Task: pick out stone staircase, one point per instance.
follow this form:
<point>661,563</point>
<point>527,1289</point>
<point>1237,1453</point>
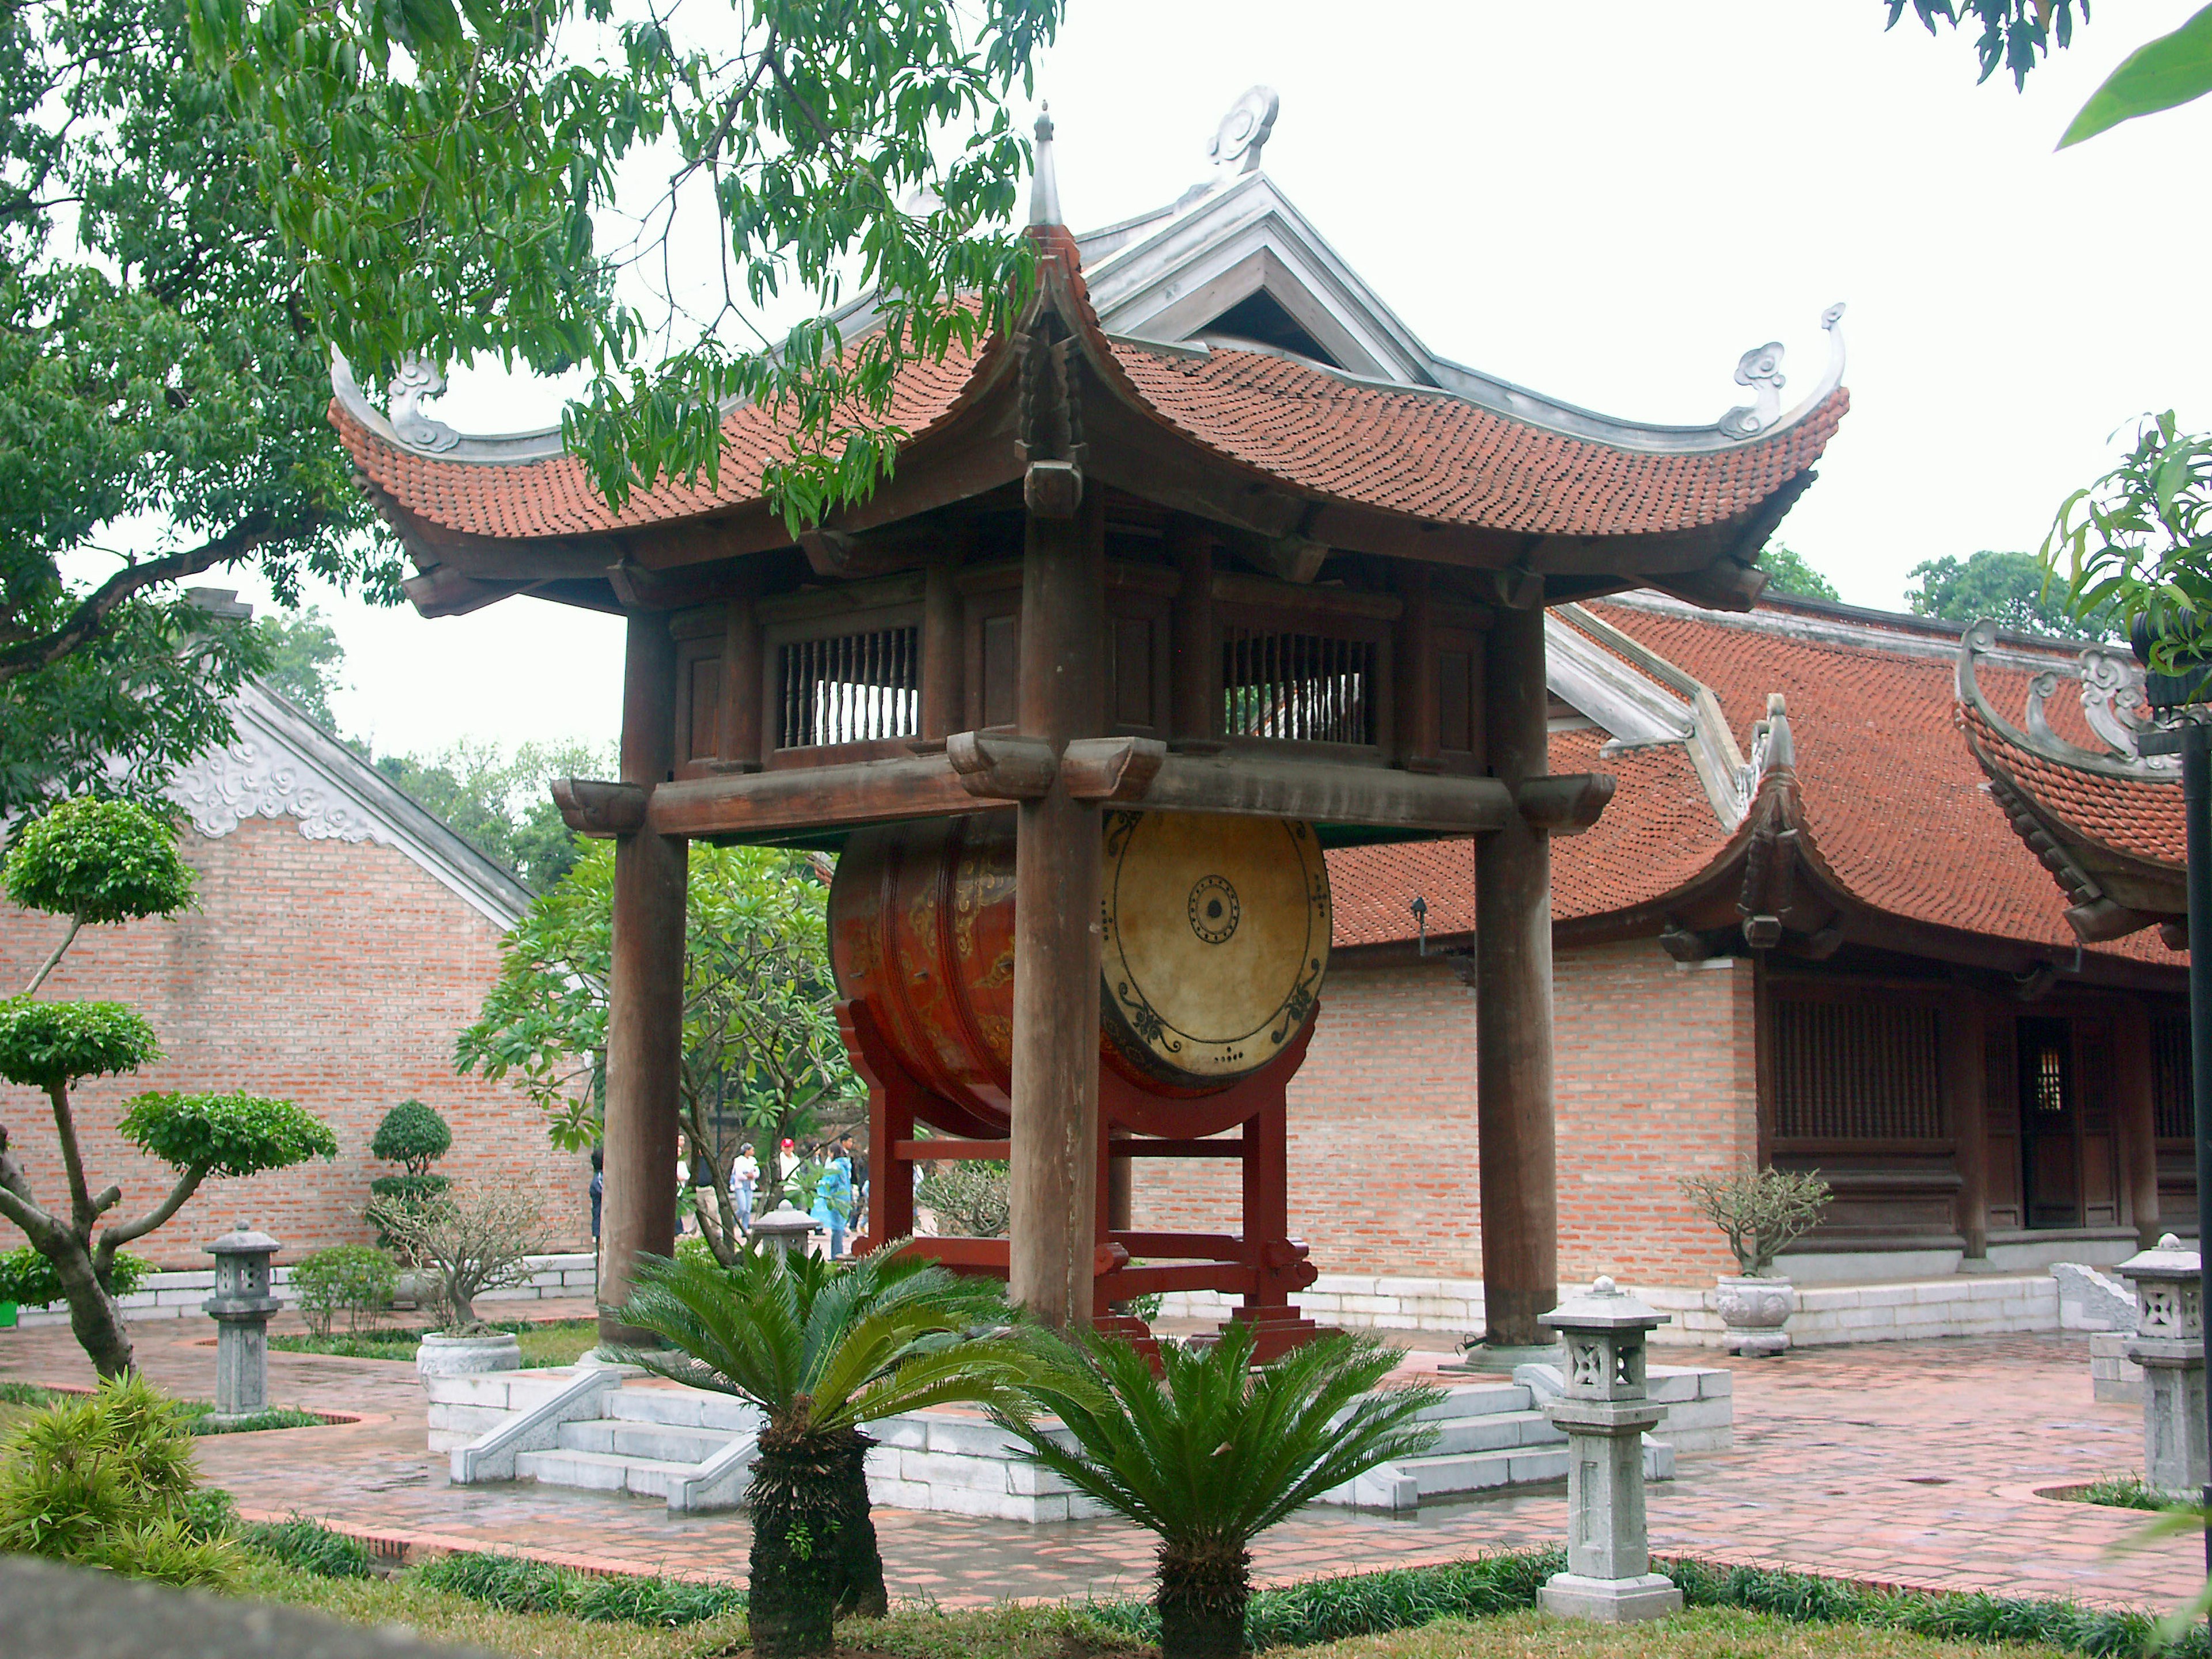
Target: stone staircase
<point>604,1429</point>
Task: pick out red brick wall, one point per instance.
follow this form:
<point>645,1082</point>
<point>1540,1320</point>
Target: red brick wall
<point>334,974</point>
<point>1654,1077</point>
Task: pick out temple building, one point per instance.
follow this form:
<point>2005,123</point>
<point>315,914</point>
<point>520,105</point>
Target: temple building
<point>1206,556</point>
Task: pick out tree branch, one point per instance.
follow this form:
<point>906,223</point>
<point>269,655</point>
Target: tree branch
<point>48,966</point>
<point>17,1205</point>
<point>89,619</point>
<point>124,1232</point>
<point>81,1211</point>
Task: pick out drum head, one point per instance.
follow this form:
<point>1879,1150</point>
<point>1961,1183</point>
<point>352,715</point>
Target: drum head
<point>1217,939</point>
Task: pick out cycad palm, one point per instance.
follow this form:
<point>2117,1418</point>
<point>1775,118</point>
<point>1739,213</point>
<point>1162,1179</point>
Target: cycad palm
<point>1212,1453</point>
<point>823,1350</point>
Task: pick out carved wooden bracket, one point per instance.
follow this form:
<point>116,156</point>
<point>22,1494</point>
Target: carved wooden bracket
<point>992,766</point>
<point>598,809</point>
<point>1112,769</point>
<point>1565,804</point>
<point>1053,490</point>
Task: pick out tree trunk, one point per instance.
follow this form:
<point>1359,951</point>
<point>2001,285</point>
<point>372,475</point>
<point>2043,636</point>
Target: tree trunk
<point>93,1318</point>
<point>798,1563</point>
<point>1204,1590</point>
<point>862,1592</point>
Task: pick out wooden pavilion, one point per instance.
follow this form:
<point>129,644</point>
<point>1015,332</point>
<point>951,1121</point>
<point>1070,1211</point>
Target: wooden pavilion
<point>1208,531</point>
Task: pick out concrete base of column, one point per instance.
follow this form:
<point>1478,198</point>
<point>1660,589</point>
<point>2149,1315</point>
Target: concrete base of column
<point>1503,1357</point>
<point>1610,1600</point>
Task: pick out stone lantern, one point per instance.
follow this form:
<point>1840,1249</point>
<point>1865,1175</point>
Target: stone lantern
<point>241,1305</point>
<point>2169,1345</point>
<point>783,1228</point>
<point>1605,1407</point>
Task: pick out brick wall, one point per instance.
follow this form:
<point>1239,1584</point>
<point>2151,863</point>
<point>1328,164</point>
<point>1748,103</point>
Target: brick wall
<point>334,974</point>
<point>1654,1077</point>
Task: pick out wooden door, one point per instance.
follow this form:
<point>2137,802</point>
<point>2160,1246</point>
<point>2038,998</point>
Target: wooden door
<point>2049,1124</point>
<point>2095,1073</point>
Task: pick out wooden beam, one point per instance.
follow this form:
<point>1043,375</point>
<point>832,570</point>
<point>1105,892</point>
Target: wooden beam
<point>944,649</point>
<point>1250,784</point>
<point>811,797</point>
<point>1000,766</point>
<point>1111,769</point>
<point>928,1151</point>
<point>1565,805</point>
<point>592,807</point>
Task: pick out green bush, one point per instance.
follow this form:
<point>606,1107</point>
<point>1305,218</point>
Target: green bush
<point>108,1481</point>
<point>350,1279</point>
<point>310,1546</point>
<point>412,1136</point>
<point>513,1584</point>
<point>50,1045</point>
<point>231,1135</point>
<point>100,861</point>
<point>28,1277</point>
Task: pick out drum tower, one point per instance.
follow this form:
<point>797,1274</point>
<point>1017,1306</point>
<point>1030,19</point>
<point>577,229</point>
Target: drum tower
<point>1202,568</point>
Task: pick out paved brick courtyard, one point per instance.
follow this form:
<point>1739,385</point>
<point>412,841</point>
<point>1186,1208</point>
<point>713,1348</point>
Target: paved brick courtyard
<point>1905,1463</point>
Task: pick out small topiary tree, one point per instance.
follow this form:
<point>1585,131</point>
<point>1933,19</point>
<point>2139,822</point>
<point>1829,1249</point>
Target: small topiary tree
<point>97,862</point>
<point>474,1240</point>
<point>414,1137</point>
<point>1760,1211</point>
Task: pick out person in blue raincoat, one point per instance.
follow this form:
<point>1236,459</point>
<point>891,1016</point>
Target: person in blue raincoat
<point>832,1201</point>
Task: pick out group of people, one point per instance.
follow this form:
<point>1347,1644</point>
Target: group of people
<point>836,1174</point>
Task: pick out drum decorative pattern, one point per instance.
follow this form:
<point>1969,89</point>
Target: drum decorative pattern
<point>1215,937</point>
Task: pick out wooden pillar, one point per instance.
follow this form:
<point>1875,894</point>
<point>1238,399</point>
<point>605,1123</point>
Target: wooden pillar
<point>645,1011</point>
<point>741,683</point>
<point>1197,698</point>
<point>1053,1187</point>
<point>1418,746</point>
<point>1513,1002</point>
<point>2138,1117</point>
<point>943,650</point>
<point>1966,1102</point>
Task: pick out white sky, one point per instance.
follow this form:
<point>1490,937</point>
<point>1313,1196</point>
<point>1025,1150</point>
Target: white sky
<point>1607,200</point>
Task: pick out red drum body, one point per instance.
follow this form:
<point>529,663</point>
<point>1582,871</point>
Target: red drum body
<point>1215,942</point>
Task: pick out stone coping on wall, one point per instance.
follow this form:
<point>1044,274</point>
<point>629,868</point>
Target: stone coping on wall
<point>1983,1304</point>
<point>179,1295</point>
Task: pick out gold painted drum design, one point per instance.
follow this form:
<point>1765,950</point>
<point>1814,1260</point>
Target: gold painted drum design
<point>1215,942</point>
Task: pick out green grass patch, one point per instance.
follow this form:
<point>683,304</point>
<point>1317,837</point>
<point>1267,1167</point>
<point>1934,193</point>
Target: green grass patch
<point>512,1585</point>
<point>554,1342</point>
<point>2124,1492</point>
<point>309,1546</point>
<point>19,1399</point>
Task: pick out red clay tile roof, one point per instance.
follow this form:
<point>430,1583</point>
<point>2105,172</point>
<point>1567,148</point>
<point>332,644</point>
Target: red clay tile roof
<point>1893,802</point>
<point>2132,815</point>
<point>1431,456</point>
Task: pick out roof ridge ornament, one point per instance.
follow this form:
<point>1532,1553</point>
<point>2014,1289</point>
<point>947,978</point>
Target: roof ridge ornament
<point>1044,183</point>
<point>417,379</point>
<point>1245,131</point>
<point>2111,692</point>
<point>1760,368</point>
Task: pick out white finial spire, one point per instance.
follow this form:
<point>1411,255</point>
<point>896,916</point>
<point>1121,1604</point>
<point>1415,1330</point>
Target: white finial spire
<point>1044,187</point>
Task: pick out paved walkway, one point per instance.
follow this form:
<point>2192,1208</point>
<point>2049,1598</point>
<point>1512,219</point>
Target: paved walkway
<point>1900,1463</point>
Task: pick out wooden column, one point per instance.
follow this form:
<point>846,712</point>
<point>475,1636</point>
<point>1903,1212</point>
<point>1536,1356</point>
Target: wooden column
<point>2138,1117</point>
<point>1418,740</point>
<point>1197,699</point>
<point>1966,1102</point>
<point>645,1012</point>
<point>741,683</point>
<point>943,650</point>
<point>1513,1002</point>
<point>1053,1187</point>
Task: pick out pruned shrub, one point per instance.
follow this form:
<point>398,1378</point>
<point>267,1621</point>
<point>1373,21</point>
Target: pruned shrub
<point>1760,1211</point>
<point>414,1137</point>
<point>28,1277</point>
<point>108,1481</point>
<point>472,1240</point>
<point>357,1280</point>
<point>969,1196</point>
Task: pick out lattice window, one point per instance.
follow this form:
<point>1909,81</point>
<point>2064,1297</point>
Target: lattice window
<point>1851,1072</point>
<point>855,688</point>
<point>2172,1079</point>
<point>1299,688</point>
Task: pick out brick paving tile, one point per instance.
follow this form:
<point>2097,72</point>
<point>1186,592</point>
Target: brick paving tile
<point>1903,1464</point>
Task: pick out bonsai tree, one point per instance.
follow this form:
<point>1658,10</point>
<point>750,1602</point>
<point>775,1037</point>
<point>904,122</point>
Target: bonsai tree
<point>472,1240</point>
<point>1761,1211</point>
<point>414,1137</point>
<point>1211,1453</point>
<point>97,862</point>
<point>823,1349</point>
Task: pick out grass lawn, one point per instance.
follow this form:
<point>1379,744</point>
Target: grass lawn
<point>20,1400</point>
<point>1050,1632</point>
<point>556,1342</point>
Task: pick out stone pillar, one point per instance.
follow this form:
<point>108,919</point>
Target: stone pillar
<point>1053,1184</point>
<point>2169,1345</point>
<point>241,1305</point>
<point>1513,1003</point>
<point>1605,1407</point>
<point>645,1012</point>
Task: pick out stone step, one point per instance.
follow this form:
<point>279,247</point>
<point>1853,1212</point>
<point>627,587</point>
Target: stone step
<point>641,1477</point>
<point>1480,1399</point>
<point>651,1441</point>
<point>1495,1431</point>
<point>684,1408</point>
<point>1448,1475</point>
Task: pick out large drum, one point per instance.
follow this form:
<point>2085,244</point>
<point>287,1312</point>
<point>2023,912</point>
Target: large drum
<point>1216,939</point>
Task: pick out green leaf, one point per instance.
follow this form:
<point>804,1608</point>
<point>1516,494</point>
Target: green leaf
<point>2162,74</point>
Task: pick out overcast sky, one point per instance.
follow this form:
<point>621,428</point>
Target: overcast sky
<point>1607,200</point>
